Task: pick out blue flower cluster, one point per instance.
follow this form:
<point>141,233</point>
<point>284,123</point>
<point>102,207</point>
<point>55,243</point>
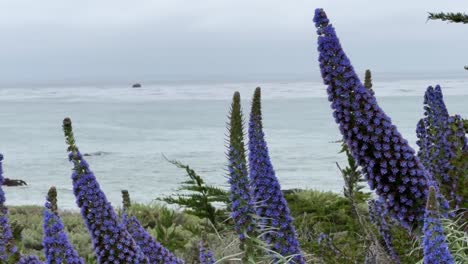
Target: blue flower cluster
<point>434,245</point>
<point>205,255</point>
<point>111,240</point>
<point>431,135</point>
<point>57,248</point>
<point>389,163</point>
<point>378,215</point>
<point>7,247</point>
<point>29,260</point>
<point>271,206</point>
<point>156,253</point>
<point>242,208</point>
<point>441,139</point>
<point>424,144</point>
<point>112,243</point>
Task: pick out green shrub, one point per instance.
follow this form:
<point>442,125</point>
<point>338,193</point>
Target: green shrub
<point>30,220</point>
<point>198,198</point>
<point>319,213</point>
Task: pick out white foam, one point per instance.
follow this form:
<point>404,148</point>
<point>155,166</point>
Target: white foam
<point>215,91</point>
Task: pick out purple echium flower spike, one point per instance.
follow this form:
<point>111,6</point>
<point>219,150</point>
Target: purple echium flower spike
<point>29,260</point>
<point>242,208</point>
<point>156,253</point>
<point>112,243</point>
<point>424,143</point>
<point>430,131</point>
<point>388,162</point>
<point>7,247</point>
<point>377,215</point>
<point>441,141</point>
<point>272,208</point>
<point>205,255</point>
<point>434,245</point>
<point>57,248</point>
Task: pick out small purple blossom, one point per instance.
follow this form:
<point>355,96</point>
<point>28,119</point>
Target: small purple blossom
<point>434,243</point>
<point>205,255</point>
<point>325,241</point>
<point>156,253</point>
<point>57,248</point>
<point>29,260</point>
<point>369,133</point>
<point>271,206</point>
<point>7,247</point>
<point>321,238</point>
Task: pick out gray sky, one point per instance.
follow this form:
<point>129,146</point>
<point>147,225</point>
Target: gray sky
<point>115,40</point>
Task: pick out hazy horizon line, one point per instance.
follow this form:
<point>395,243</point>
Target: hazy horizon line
<point>227,78</point>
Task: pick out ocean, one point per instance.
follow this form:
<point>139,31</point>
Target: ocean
<point>134,128</point>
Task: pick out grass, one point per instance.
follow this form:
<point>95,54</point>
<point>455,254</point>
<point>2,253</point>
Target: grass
<point>30,220</point>
<point>316,214</point>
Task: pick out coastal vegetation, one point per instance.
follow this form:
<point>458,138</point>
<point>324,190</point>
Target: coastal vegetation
<point>398,205</point>
<point>451,17</point>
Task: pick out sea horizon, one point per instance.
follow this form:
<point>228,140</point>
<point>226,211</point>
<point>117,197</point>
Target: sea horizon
<point>310,76</point>
<point>134,127</point>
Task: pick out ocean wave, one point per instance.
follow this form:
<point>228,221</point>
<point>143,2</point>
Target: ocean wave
<point>214,91</point>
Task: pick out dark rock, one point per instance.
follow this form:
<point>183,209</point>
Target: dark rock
<point>136,85</point>
<point>97,153</point>
<point>13,182</point>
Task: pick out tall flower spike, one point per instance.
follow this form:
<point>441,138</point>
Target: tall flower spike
<point>112,243</point>
<point>126,203</point>
<point>205,255</point>
<point>156,253</point>
<point>242,208</point>
<point>430,130</point>
<point>8,250</point>
<point>442,145</point>
<point>271,207</point>
<point>378,217</point>
<point>368,81</point>
<point>388,161</point>
<point>434,244</point>
<point>57,248</point>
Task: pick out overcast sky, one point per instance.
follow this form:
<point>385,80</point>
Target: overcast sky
<point>116,40</point>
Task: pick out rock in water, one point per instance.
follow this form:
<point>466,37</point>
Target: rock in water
<point>97,153</point>
<point>136,85</point>
<point>13,182</point>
